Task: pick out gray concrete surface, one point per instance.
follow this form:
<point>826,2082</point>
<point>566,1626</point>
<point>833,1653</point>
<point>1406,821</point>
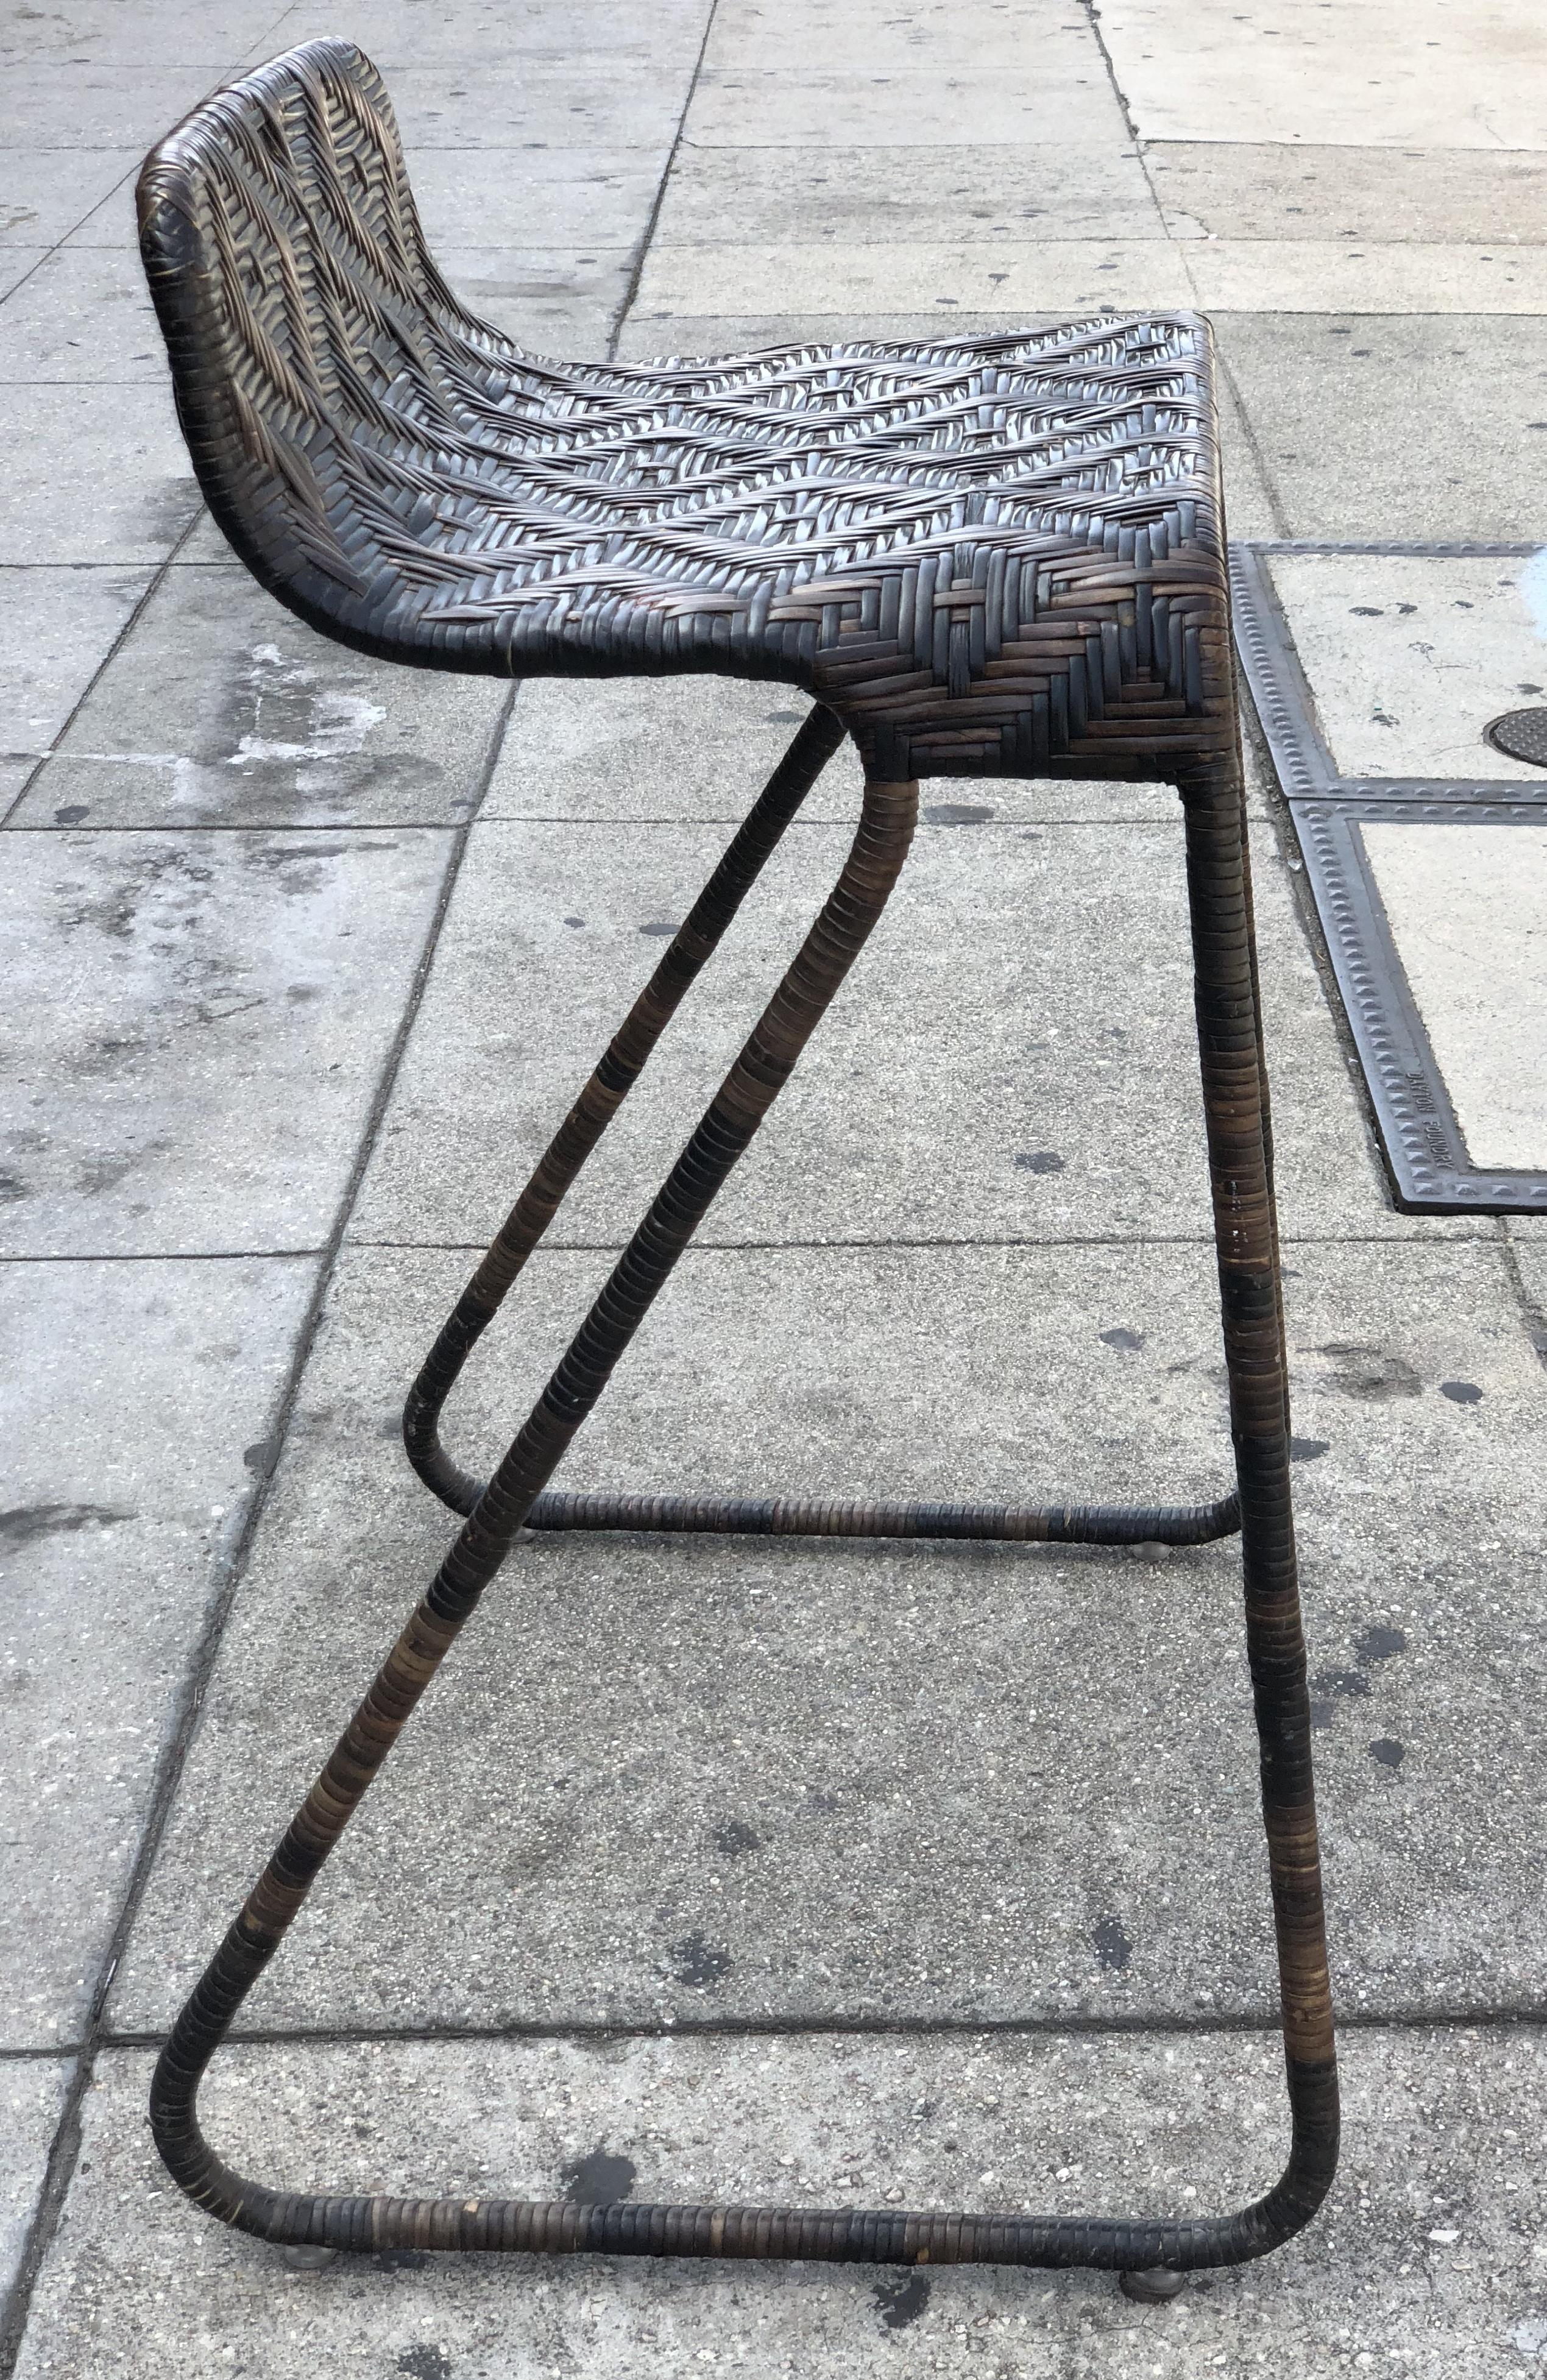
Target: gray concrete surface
<point>1429,2264</point>
<point>298,998</point>
<point>1467,907</point>
<point>1411,655</point>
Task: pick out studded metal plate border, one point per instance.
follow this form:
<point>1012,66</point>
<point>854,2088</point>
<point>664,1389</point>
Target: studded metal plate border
<point>1431,1168</point>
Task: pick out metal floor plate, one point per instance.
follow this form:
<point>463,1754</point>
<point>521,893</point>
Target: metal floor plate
<point>1432,1168</point>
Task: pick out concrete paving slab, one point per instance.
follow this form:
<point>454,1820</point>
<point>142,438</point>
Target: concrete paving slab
<point>207,1019</point>
<point>32,2095</point>
<point>1467,907</point>
<point>598,101</point>
<point>1043,275</point>
<point>1423,2262</point>
<point>1410,656</point>
<point>1066,1037</point>
<point>676,749</point>
<point>1250,191</point>
<point>667,33</point>
<point>205,546</point>
<point>16,264</point>
<point>137,1429</point>
<point>221,708</point>
<point>1395,430</point>
<point>849,195</point>
<point>93,475</point>
<point>14,776</point>
<point>1052,276</point>
<point>1526,1233</point>
<point>44,193</point>
<point>55,627</point>
<point>978,37</point>
<point>642,1709</point>
<point>806,106</point>
<point>96,106</point>
<point>1393,277</point>
<point>1295,72</point>
<point>1252,502</point>
<point>475,198</point>
<point>85,314</point>
<point>552,301</point>
<point>148,33</point>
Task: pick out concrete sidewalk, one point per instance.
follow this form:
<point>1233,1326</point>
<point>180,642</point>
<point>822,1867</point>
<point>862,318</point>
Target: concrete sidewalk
<point>745,1869</point>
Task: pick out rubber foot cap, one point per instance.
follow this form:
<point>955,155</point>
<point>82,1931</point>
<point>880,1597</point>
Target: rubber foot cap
<point>1157,2286</point>
<point>308,2260</point>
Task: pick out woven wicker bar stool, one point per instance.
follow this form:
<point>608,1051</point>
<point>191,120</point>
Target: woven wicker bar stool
<point>988,557</point>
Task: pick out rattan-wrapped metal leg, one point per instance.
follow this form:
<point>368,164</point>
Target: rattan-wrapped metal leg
<point>775,1515</point>
<point>1233,1079</point>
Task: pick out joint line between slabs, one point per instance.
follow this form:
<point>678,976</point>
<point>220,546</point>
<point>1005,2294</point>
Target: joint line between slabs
<point>66,2145</point>
<point>1155,2024</point>
<point>1487,1234</point>
<point>626,304</point>
<point>137,613</point>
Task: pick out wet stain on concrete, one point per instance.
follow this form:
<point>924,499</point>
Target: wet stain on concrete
<point>1377,1642</point>
<point>1127,1340</point>
<point>660,926</point>
<point>1388,1751</point>
<point>1039,1160</point>
<point>736,1839</point>
<point>1373,1375</point>
<point>1340,1681</point>
<point>1307,1450</point>
<point>700,1962</point>
<point>901,2298</point>
<point>1114,1949</point>
<point>1461,1392</point>
<point>599,2179</point>
<point>424,2363</point>
<point>957,814</point>
<point>25,1523</point>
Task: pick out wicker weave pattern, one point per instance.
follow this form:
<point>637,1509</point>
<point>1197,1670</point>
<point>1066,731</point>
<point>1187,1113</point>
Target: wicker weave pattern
<point>984,555</point>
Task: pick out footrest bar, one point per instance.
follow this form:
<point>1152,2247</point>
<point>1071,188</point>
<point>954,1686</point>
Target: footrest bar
<point>795,1517</point>
<point>876,2236</point>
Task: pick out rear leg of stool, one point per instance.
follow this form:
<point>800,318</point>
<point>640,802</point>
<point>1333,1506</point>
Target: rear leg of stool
<point>1165,1525</point>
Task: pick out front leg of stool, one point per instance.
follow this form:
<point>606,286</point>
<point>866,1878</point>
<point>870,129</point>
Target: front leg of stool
<point>1230,1049</point>
<point>620,1068</point>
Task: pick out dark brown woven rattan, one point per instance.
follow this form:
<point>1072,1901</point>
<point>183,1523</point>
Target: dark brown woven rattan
<point>991,556</point>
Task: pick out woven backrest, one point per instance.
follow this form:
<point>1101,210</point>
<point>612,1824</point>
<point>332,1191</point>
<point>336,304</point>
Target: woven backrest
<point>293,285</point>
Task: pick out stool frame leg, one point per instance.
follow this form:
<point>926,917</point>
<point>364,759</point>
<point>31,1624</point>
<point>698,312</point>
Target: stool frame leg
<point>1234,1103</point>
<point>613,1078</point>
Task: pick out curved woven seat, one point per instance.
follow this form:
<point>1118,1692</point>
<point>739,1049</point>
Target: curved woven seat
<point>997,554</point>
